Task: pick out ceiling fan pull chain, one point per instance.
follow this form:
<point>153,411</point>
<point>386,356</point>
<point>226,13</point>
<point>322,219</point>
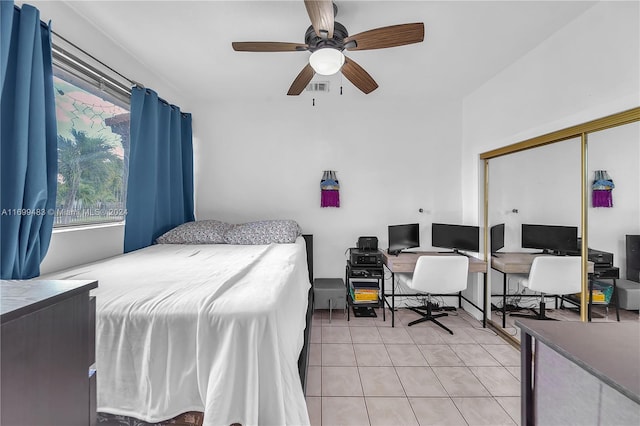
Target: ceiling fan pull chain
<point>313,102</point>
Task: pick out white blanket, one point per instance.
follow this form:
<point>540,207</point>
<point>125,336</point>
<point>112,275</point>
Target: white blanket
<point>212,328</point>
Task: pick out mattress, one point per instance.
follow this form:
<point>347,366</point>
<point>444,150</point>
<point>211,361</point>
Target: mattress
<point>211,328</point>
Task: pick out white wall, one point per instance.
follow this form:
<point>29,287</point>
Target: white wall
<point>588,69</point>
<point>264,159</point>
<point>78,245</point>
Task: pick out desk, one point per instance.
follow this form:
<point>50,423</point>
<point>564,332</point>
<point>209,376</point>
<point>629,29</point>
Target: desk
<point>515,263</point>
<point>406,262</point>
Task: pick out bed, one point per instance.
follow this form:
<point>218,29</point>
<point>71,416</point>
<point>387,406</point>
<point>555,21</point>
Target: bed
<point>211,328</point>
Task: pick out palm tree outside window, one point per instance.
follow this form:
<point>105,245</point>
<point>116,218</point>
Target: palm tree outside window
<point>93,149</point>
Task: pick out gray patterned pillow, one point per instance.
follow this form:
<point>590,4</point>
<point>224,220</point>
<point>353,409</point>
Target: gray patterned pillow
<point>197,232</point>
<point>263,232</point>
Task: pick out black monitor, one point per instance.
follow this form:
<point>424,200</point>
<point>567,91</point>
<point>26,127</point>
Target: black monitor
<point>456,237</point>
<point>550,238</point>
<point>403,237</point>
<point>497,237</point>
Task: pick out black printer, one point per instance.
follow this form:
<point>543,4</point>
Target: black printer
<point>603,264</point>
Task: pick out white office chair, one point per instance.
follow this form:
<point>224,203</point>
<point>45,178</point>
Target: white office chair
<point>555,275</point>
<point>439,275</point>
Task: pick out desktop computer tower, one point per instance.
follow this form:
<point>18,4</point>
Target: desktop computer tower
<point>633,258</point>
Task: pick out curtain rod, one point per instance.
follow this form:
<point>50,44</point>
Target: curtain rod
<point>130,81</point>
<point>94,70</point>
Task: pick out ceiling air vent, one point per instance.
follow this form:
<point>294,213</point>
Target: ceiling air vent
<point>318,86</point>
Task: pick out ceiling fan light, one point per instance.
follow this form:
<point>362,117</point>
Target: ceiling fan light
<point>326,61</point>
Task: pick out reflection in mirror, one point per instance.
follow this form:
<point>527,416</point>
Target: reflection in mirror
<point>537,186</point>
<point>616,150</point>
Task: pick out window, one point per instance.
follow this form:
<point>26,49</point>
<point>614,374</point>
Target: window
<point>93,148</point>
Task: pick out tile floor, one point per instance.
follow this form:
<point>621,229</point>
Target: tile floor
<point>599,314</point>
<point>363,372</point>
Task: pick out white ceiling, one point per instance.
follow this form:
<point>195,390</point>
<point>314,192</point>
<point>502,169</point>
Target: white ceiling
<point>188,43</point>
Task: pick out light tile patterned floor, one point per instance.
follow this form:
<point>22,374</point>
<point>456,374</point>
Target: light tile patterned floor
<point>364,372</point>
<point>599,314</point>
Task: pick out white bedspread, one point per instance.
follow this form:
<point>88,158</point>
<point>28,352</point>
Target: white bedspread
<point>213,328</point>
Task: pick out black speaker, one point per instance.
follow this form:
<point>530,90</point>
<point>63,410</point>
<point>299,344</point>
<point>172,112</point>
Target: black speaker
<point>633,257</point>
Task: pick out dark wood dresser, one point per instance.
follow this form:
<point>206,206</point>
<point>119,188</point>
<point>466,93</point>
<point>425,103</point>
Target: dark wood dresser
<point>583,373</point>
<point>47,348</point>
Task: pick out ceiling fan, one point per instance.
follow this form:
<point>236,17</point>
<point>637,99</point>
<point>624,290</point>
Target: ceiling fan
<point>326,39</point>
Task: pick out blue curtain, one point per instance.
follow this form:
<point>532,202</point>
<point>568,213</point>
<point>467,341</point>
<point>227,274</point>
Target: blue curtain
<point>28,151</point>
<point>160,187</point>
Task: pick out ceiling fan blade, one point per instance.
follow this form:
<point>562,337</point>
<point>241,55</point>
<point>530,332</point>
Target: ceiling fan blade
<point>267,46</point>
<point>301,81</point>
<point>322,16</point>
<point>358,76</point>
<point>380,38</point>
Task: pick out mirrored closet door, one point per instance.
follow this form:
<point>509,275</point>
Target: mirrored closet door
<point>614,218</point>
<point>548,180</point>
<point>533,187</point>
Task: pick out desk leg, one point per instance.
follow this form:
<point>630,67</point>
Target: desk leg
<point>504,300</point>
<point>615,294</point>
<point>484,302</point>
<point>384,308</point>
<point>346,282</point>
<point>526,381</point>
<point>393,299</point>
<point>590,297</point>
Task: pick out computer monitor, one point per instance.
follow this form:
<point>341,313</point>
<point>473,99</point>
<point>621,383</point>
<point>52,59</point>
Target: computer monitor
<point>402,237</point>
<point>497,237</point>
<point>456,237</point>
<point>550,238</point>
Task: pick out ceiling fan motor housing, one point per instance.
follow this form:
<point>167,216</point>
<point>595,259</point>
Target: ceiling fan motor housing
<point>316,42</point>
